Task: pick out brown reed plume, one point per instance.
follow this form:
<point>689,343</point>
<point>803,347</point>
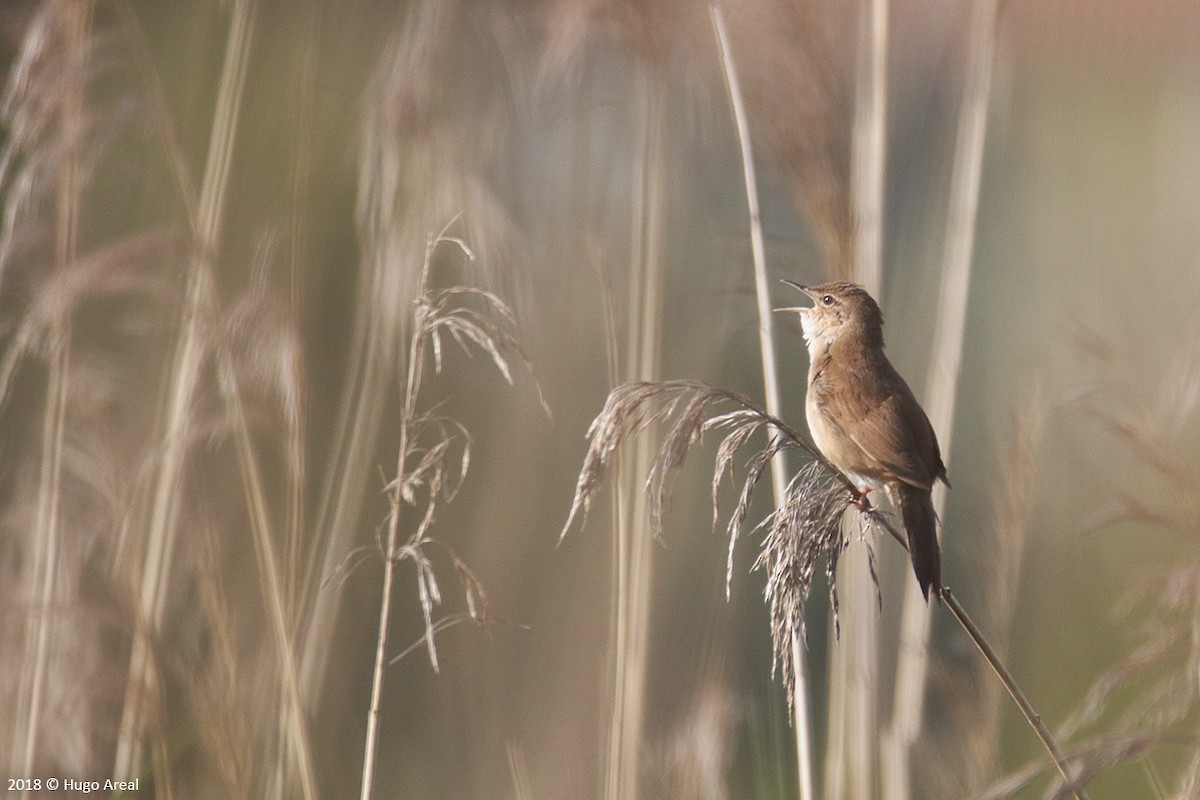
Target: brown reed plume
<point>802,534</point>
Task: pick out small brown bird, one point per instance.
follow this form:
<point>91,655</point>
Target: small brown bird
<point>865,419</point>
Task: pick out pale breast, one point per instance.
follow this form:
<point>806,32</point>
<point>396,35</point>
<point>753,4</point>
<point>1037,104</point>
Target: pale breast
<point>836,446</point>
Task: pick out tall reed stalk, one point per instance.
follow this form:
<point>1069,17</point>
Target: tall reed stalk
<point>945,361</point>
<point>47,533</point>
<point>851,758</point>
<point>162,530</point>
<point>774,403</point>
<point>635,546</point>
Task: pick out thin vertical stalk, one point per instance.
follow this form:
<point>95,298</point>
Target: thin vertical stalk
<point>870,146</point>
<point>768,353</point>
<point>297,245</point>
<point>913,660</point>
<point>416,363</point>
<point>377,347</point>
<point>635,545</point>
<point>47,534</point>
<point>358,422</point>
<point>851,760</point>
<point>295,730</point>
<point>186,363</point>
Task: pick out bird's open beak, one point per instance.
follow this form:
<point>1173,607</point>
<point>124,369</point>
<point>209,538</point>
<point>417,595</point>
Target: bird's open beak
<point>796,309</point>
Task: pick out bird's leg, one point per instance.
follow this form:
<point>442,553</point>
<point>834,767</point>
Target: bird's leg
<point>860,500</point>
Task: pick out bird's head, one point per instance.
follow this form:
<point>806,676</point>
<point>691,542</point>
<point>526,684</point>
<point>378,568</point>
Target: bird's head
<point>839,309</point>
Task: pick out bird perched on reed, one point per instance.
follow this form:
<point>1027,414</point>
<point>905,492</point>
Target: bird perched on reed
<point>865,419</point>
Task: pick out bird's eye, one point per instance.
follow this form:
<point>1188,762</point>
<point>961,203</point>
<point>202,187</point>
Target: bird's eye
<point>827,299</point>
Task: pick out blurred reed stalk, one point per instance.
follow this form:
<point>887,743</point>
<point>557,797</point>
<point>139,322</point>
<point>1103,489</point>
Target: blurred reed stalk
<point>293,726</point>
<point>162,525</point>
<point>298,245</point>
<point>774,404</point>
<point>47,534</point>
<point>192,350</point>
<point>908,700</point>
<point>1013,508</point>
<point>634,546</point>
<point>851,757</point>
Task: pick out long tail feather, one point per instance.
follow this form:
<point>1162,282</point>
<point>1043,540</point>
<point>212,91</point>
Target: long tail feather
<point>920,523</point>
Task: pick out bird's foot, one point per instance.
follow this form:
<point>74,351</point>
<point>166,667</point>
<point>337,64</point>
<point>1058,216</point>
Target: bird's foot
<point>860,500</point>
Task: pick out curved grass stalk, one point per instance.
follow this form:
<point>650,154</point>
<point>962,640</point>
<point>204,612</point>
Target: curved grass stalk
<point>989,653</point>
<point>391,556</point>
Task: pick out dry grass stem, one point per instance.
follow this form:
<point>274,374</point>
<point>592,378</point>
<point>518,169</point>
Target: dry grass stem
<point>431,464</point>
<point>165,502</point>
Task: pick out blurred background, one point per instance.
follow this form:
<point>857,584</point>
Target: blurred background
<point>215,227</point>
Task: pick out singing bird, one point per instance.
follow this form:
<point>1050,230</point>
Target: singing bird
<point>865,419</point>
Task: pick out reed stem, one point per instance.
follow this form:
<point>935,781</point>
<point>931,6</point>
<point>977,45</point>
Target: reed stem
<point>915,619</point>
<point>767,351</point>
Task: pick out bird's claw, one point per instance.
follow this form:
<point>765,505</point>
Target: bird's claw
<point>860,500</point>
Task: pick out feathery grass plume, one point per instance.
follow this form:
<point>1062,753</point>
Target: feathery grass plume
<point>162,522</point>
<point>801,534</point>
<point>56,275</point>
<point>427,149</point>
<point>632,407</point>
<point>117,282</point>
<point>431,465</point>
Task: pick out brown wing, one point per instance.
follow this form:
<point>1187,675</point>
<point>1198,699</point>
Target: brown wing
<point>884,419</point>
<point>901,440</point>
